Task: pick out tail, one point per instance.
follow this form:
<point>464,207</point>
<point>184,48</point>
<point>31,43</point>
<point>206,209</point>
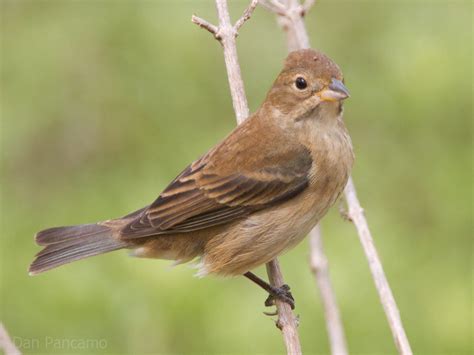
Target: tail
<point>67,244</point>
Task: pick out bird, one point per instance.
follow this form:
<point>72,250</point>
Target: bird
<point>250,198</point>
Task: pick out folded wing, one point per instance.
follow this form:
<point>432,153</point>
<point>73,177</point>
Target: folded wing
<point>205,194</point>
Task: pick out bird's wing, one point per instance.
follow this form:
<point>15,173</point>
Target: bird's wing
<point>226,185</point>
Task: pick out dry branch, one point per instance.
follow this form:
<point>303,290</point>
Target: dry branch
<point>286,322</point>
<point>246,15</point>
<point>226,34</point>
<point>307,5</point>
<point>290,16</point>
<point>356,215</point>
<point>320,268</point>
<point>6,344</point>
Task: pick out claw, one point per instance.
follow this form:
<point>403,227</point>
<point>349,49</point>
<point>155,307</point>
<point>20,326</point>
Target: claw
<point>281,293</point>
<point>271,314</point>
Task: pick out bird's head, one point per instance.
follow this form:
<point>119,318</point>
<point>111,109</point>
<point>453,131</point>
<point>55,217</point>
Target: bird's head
<point>309,80</point>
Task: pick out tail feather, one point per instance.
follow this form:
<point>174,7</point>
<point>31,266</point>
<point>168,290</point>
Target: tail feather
<point>60,234</point>
<point>67,244</point>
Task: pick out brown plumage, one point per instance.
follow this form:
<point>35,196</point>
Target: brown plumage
<point>250,198</point>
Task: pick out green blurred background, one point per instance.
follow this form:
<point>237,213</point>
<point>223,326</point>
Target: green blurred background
<point>103,102</point>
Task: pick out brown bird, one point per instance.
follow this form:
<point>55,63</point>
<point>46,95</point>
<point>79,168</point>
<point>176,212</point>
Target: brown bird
<point>250,198</point>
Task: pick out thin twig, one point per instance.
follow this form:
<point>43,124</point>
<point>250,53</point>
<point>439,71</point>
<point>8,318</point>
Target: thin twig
<point>307,5</point>
<point>246,15</point>
<point>204,24</point>
<point>6,344</point>
<point>343,211</point>
<point>356,214</point>
<point>226,34</point>
<point>286,322</point>
<point>320,269</point>
<point>298,38</point>
<point>273,6</point>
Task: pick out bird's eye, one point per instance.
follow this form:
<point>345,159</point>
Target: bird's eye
<point>301,83</point>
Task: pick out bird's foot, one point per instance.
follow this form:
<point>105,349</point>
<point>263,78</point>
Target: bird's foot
<point>281,293</point>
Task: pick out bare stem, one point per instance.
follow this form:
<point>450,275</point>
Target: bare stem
<point>204,24</point>
<point>320,268</point>
<point>246,15</point>
<point>226,34</point>
<point>6,344</point>
<point>356,214</point>
<point>307,5</point>
<point>286,322</point>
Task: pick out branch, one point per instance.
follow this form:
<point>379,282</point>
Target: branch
<point>246,15</point>
<point>204,24</point>
<point>274,6</point>
<point>226,33</point>
<point>286,322</point>
<point>307,5</point>
<point>292,23</point>
<point>290,17</point>
<point>320,268</point>
<point>6,344</point>
<point>356,214</point>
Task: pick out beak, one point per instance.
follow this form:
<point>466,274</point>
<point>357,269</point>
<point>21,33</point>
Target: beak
<point>336,91</point>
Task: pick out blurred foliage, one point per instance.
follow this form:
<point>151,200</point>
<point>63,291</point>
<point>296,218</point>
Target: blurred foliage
<point>103,102</point>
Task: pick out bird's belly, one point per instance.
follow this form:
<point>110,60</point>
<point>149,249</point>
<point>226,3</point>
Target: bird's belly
<point>260,238</point>
<point>266,234</point>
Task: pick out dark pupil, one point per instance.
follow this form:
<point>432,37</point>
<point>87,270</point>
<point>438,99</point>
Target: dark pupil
<point>301,83</point>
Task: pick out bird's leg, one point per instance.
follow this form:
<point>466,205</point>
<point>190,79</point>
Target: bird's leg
<point>282,293</point>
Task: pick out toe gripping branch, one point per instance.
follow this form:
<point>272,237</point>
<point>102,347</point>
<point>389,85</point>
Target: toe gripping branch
<point>281,293</point>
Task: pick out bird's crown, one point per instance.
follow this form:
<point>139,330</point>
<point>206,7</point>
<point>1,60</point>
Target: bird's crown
<point>314,61</point>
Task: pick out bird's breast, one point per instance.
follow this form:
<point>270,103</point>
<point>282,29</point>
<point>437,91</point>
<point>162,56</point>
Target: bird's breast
<point>333,158</point>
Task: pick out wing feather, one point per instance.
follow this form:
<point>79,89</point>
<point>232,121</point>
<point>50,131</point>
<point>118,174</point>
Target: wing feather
<point>204,195</point>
